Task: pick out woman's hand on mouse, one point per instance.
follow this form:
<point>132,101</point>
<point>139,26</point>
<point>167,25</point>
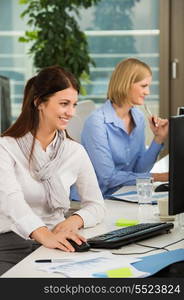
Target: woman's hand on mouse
<point>72,223</point>
<point>57,240</point>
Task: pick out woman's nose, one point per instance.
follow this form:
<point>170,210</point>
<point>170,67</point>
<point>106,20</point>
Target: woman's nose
<point>71,111</point>
<point>147,91</point>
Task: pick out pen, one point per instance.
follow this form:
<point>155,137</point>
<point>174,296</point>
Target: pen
<point>54,260</point>
<point>151,115</point>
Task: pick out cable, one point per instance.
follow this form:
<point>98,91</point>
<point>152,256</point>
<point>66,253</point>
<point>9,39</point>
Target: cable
<point>154,248</point>
<point>133,253</point>
<point>174,243</point>
<point>147,246</point>
<point>160,248</point>
<point>136,253</point>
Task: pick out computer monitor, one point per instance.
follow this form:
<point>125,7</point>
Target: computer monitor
<point>176,164</point>
<point>180,110</point>
<point>5,103</point>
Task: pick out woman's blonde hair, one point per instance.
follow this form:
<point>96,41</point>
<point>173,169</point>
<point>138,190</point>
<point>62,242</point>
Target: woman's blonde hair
<point>126,73</point>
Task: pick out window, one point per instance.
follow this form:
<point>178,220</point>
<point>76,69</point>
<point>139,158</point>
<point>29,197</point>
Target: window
<point>14,62</point>
<point>116,29</point>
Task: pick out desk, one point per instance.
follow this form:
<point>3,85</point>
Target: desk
<point>115,210</point>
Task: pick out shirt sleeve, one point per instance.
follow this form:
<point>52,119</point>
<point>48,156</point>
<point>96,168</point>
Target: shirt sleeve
<point>12,202</point>
<point>95,140</point>
<point>92,203</point>
<point>148,157</point>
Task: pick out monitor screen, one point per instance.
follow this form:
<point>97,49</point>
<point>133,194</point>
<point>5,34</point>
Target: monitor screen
<point>176,164</point>
<point>5,104</point>
<point>180,110</point>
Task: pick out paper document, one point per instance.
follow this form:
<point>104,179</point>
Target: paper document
<point>132,196</point>
<point>101,264</point>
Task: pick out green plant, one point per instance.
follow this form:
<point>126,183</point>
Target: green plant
<point>55,35</point>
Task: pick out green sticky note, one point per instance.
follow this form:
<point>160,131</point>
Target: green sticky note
<point>125,222</point>
<point>120,273</point>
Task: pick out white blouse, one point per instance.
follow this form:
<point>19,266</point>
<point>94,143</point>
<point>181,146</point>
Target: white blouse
<point>23,205</point>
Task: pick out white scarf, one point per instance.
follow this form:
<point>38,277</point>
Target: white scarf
<point>46,172</point>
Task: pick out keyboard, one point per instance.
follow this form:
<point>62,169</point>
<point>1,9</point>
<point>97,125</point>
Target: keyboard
<point>130,234</point>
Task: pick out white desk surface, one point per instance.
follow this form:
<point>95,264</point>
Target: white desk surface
<point>115,210</point>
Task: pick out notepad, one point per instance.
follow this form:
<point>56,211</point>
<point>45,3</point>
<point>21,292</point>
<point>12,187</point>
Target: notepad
<point>128,271</point>
<point>120,273</point>
<point>126,222</point>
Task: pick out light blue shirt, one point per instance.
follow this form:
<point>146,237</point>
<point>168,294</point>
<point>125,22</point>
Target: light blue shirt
<point>118,157</point>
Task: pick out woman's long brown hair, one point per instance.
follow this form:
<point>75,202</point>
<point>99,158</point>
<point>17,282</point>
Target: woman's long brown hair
<point>40,87</point>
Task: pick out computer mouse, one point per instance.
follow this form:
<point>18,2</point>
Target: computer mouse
<point>164,187</point>
<point>80,248</point>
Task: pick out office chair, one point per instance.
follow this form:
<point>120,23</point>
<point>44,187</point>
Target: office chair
<point>83,109</point>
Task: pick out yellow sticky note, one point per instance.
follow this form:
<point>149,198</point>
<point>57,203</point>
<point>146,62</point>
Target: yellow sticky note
<point>120,273</point>
<point>125,222</point>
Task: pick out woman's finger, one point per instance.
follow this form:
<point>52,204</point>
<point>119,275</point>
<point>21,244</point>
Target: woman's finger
<point>63,247</point>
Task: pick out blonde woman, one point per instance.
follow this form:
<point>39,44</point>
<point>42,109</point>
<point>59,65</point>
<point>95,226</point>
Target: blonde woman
<point>113,135</point>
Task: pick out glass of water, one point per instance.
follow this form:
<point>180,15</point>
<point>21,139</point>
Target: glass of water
<point>144,188</point>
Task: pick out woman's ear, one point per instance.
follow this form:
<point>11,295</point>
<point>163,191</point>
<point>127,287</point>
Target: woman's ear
<point>37,105</point>
<point>35,102</point>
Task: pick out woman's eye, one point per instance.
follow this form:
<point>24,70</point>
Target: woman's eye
<point>67,103</point>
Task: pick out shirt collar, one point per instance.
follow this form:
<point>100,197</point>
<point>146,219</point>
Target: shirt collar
<point>136,117</point>
<point>51,146</point>
<point>63,135</point>
<point>111,116</point>
<point>109,113</point>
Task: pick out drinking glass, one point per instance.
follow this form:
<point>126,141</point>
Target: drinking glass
<point>146,209</point>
